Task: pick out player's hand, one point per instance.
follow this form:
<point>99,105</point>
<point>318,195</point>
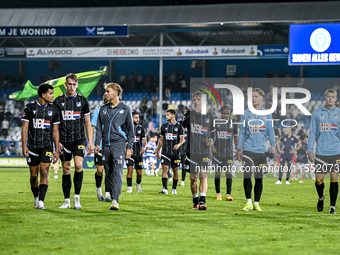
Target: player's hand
<point>97,149</point>
<point>213,149</point>
<point>176,147</point>
<point>25,151</point>
<point>291,151</point>
<point>128,153</point>
<point>281,151</point>
<point>209,142</point>
<point>158,155</point>
<point>89,148</point>
<point>60,148</point>
<point>143,150</point>
<point>55,157</point>
<point>238,155</point>
<point>311,156</point>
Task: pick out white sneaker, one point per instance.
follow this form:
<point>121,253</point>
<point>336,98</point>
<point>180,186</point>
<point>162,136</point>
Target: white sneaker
<point>170,179</point>
<point>129,190</point>
<point>55,176</point>
<point>152,173</point>
<point>139,188</point>
<point>278,182</point>
<point>287,182</point>
<point>41,205</point>
<point>174,191</point>
<point>182,183</point>
<point>114,205</point>
<point>36,202</point>
<point>164,191</point>
<point>77,202</point>
<point>66,205</point>
<point>156,173</point>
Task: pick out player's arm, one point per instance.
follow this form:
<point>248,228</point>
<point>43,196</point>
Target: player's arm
<point>56,142</point>
<point>89,133</point>
<point>24,133</point>
<point>235,132</point>
<point>299,146</point>
<point>144,141</point>
<point>130,135</point>
<point>160,144</point>
<point>312,137</point>
<point>271,135</point>
<point>181,138</point>
<point>242,132</point>
<point>99,133</point>
<point>278,146</point>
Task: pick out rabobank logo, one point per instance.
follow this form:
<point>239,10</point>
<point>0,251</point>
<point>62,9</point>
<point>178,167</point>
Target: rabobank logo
<point>197,51</point>
<point>320,40</point>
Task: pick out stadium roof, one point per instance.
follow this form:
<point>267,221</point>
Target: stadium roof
<point>218,24</point>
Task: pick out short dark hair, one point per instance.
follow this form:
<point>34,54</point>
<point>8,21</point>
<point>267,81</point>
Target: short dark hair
<point>172,111</point>
<point>134,113</point>
<point>225,107</point>
<point>43,88</point>
<point>302,137</point>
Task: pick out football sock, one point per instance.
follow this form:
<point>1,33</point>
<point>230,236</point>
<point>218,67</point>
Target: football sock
<point>202,197</point>
<point>229,183</point>
<point>42,191</point>
<point>129,182</point>
<point>319,189</point>
<point>98,180</point>
<point>333,192</point>
<point>195,198</point>
<point>106,184</point>
<point>138,180</point>
<point>78,181</point>
<point>67,184</point>
<point>35,191</point>
<point>174,184</point>
<point>258,189</point>
<point>247,187</point>
<point>184,173</point>
<point>218,185</point>
<point>165,183</point>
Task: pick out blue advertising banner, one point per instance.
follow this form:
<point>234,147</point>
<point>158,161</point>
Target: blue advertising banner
<point>272,50</point>
<point>64,31</point>
<point>314,44</point>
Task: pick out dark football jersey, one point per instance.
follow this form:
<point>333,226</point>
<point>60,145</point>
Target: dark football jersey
<point>301,153</point>
<point>288,143</point>
<point>199,128</point>
<point>41,119</point>
<point>138,143</point>
<point>171,134</point>
<point>225,134</point>
<point>72,111</point>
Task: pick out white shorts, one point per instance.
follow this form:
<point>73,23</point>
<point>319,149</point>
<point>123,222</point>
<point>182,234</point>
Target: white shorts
<point>151,159</point>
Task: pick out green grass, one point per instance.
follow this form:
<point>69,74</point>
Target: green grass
<point>153,223</point>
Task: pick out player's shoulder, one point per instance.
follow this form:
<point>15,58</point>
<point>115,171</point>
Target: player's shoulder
<point>80,96</point>
<point>60,97</point>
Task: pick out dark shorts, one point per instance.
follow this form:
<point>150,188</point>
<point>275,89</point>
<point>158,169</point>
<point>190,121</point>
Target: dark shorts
<point>38,156</point>
<point>222,165</point>
<point>171,161</point>
<point>136,161</point>
<point>326,164</point>
<point>197,162</point>
<point>76,148</point>
<point>98,159</point>
<point>253,163</point>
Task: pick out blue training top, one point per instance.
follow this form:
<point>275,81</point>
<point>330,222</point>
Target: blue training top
<point>94,123</point>
<point>253,137</point>
<point>324,130</point>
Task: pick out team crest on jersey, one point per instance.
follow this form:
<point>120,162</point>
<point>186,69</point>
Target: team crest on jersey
<point>207,120</point>
<point>176,129</point>
<point>34,112</point>
<point>62,104</point>
<point>138,131</point>
<point>78,104</point>
<point>122,111</point>
<point>49,113</point>
<point>28,160</point>
<point>103,158</point>
<point>336,116</point>
<point>292,139</point>
<point>104,112</point>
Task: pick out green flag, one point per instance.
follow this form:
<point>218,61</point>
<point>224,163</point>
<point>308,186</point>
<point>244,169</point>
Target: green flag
<point>86,83</point>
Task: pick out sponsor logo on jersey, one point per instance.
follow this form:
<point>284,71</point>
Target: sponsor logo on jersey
<point>78,104</point>
<point>137,138</point>
<point>70,115</point>
<point>206,159</point>
<point>49,113</point>
<point>257,129</point>
<point>230,161</point>
<point>82,147</point>
<point>198,129</point>
<point>170,136</point>
<point>41,123</point>
<point>223,135</point>
<point>328,127</point>
<point>140,163</point>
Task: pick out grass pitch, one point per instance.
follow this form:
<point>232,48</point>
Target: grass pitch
<point>153,223</point>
